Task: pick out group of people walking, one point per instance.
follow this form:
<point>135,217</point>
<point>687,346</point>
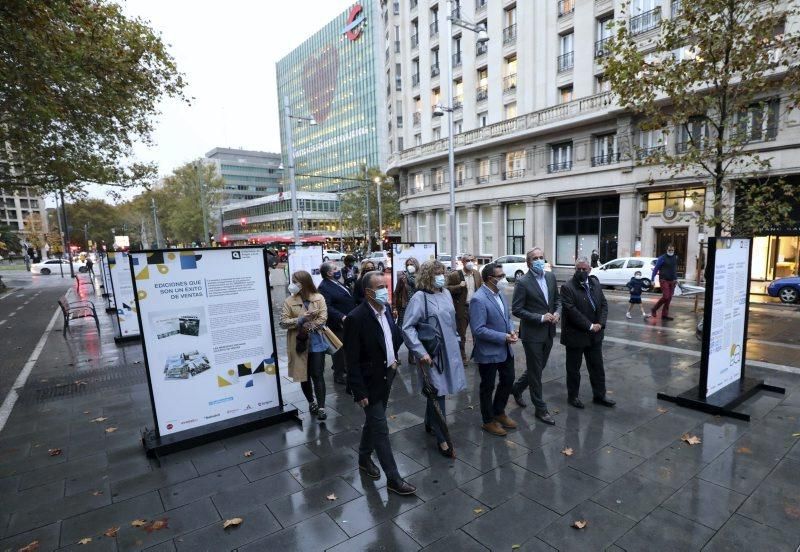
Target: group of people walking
<point>430,313</point>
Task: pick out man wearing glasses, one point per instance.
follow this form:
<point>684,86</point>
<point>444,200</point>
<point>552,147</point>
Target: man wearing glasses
<point>585,313</point>
<point>462,285</point>
<point>537,304</point>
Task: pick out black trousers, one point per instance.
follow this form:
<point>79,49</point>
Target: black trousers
<point>594,365</point>
<point>339,370</point>
<point>315,378</point>
<point>536,355</point>
<point>491,407</point>
<point>375,437</point>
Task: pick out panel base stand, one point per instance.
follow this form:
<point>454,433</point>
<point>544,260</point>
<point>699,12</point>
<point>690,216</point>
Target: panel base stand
<point>156,446</point>
<point>126,338</point>
<point>110,310</point>
<point>725,400</point>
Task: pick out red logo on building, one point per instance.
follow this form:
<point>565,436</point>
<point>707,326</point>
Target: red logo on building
<point>355,23</point>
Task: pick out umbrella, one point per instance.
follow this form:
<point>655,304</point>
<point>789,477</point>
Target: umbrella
<point>431,392</point>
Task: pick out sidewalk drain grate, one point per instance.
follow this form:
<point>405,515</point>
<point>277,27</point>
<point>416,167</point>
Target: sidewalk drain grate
<point>83,383</point>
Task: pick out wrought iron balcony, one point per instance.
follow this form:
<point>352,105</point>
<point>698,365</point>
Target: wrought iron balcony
<point>481,48</point>
<point>457,59</point>
<point>415,79</point>
<point>559,167</point>
<point>510,83</point>
<point>435,70</point>
<point>565,7</point>
<point>435,28</point>
<point>510,34</point>
<point>601,47</point>
<point>417,118</point>
<point>605,159</point>
<point>481,93</point>
<point>645,21</point>
<point>512,174</point>
<point>414,40</point>
<point>565,61</point>
<point>645,153</point>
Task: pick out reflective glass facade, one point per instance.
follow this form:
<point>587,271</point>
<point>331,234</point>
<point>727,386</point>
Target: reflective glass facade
<point>333,79</point>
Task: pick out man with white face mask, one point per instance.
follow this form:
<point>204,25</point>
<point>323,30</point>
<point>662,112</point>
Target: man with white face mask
<point>462,285</point>
<point>537,304</point>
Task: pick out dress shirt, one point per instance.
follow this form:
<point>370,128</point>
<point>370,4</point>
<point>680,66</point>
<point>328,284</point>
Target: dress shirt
<point>387,334</point>
<point>542,281</point>
<point>496,295</point>
<point>469,278</point>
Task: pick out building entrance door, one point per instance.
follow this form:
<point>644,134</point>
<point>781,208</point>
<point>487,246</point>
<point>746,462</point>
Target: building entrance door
<point>679,237</point>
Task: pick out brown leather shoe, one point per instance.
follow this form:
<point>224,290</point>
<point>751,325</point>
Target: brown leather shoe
<point>495,429</point>
<point>505,421</point>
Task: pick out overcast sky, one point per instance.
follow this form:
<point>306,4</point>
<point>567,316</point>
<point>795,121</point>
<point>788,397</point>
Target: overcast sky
<point>227,50</point>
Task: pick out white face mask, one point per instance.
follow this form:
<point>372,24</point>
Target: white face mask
<point>670,253</point>
<point>470,265</point>
<point>411,269</point>
<point>502,284</point>
<point>294,288</point>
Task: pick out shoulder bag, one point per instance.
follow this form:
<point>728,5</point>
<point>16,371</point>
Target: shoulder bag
<point>431,337</point>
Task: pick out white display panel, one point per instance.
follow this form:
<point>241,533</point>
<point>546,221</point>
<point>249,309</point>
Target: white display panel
<point>122,285</point>
<point>208,336</point>
<point>106,274</point>
<point>728,313</point>
<point>308,258</point>
<point>401,252</point>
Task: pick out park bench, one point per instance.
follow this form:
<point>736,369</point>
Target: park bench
<point>75,310</point>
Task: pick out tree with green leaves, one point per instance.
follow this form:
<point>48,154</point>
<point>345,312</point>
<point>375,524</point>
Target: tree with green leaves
<point>80,84</point>
<point>179,201</point>
<point>719,76</point>
<point>92,219</point>
<point>354,205</point>
<point>9,240</point>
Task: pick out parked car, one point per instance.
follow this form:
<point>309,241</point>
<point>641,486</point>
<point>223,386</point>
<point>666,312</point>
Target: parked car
<point>332,255</point>
<point>515,266</point>
<point>786,289</point>
<point>54,265</point>
<point>445,260</point>
<point>381,259</point>
<point>619,271</point>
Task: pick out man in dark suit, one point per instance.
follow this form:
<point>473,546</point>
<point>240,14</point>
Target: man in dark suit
<point>340,302</point>
<point>537,304</point>
<point>585,313</point>
<point>371,342</point>
<point>462,284</point>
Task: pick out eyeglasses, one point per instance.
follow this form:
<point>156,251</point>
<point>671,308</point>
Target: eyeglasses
<point>582,269</point>
<point>539,258</point>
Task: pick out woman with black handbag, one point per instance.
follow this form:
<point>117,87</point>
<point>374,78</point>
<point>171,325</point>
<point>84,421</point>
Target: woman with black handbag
<point>431,334</point>
<point>303,316</point>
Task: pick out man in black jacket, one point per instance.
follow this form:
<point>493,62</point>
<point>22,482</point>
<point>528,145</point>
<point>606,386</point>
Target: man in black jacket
<point>667,270</point>
<point>371,342</point>
<point>585,311</point>
<point>340,302</point>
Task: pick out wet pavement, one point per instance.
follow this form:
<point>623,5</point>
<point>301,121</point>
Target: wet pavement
<point>631,477</point>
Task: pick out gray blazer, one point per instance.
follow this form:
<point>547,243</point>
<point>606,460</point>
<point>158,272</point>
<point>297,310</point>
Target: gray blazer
<point>529,306</point>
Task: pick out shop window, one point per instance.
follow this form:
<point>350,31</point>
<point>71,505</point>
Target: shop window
<point>586,224</point>
<point>684,200</point>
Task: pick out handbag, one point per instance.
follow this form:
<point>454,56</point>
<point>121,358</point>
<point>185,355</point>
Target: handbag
<point>334,343</point>
<point>301,341</point>
<point>430,335</point>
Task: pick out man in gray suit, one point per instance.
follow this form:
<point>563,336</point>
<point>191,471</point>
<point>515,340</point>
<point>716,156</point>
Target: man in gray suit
<point>537,304</point>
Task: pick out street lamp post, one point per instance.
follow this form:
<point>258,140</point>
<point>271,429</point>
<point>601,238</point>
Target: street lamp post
<point>203,206</point>
<point>480,30</point>
<point>287,123</point>
<point>378,182</point>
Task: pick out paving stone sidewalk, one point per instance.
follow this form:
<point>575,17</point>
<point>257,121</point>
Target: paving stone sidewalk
<point>639,486</point>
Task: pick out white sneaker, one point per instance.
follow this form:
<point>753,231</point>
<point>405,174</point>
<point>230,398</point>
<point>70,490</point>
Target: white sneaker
<point>628,315</point>
<point>646,314</point>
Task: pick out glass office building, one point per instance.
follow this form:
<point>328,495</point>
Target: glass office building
<point>334,77</point>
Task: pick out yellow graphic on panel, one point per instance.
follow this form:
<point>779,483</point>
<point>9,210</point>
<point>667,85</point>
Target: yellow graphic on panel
<point>163,269</point>
<point>222,382</point>
<point>144,274</point>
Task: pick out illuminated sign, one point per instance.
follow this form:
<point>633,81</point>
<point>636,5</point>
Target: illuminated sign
<point>355,23</point>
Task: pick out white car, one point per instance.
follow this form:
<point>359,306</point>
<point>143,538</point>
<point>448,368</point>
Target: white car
<point>51,266</point>
<point>619,271</point>
<point>445,260</point>
<point>515,266</point>
<point>332,255</point>
<point>381,259</point>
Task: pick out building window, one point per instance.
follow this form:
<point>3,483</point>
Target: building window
<point>604,32</point>
<point>438,179</point>
<point>511,110</point>
<point>483,170</point>
<point>400,143</point>
<point>415,72</point>
<point>487,229</point>
<point>460,172</point>
<point>605,149</point>
<point>586,224</point>
<point>685,200</point>
<point>436,97</point>
<point>483,118</point>
<point>435,62</point>
<point>565,7</point>
<point>515,229</point>
<point>510,79</point>
<point>463,231</point>
<point>602,84</point>
<point>560,157</point>
<point>650,142</point>
<point>458,93</point>
<point>759,122</point>
<point>483,84</point>
<point>418,139</point>
<point>456,51</point>
<point>434,21</point>
<point>565,94</point>
<point>436,133</point>
<point>442,231</point>
<point>693,134</point>
<point>566,46</point>
<point>422,227</point>
<point>419,182</point>
<point>515,165</point>
<point>645,16</point>
<point>414,33</point>
<point>458,127</point>
<point>510,25</point>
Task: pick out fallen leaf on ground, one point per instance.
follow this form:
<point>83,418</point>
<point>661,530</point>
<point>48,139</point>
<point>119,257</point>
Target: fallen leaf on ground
<point>111,429</point>
<point>248,453</point>
<point>100,419</point>
<point>138,523</point>
<point>392,417</point>
<point>470,407</point>
<point>516,546</point>
<point>691,439</point>
<point>744,450</point>
<point>580,523</point>
<point>235,522</point>
<point>111,532</point>
<point>157,525</point>
<point>85,540</point>
<point>86,412</point>
<point>81,382</point>
<point>609,392</point>
<point>792,512</point>
<point>567,451</point>
<point>97,493</point>
<point>556,411</point>
<point>54,451</point>
<point>30,547</point>
<point>795,434</point>
<point>662,410</point>
<point>331,496</point>
<point>477,511</point>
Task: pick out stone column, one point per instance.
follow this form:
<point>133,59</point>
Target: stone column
<point>431,237</point>
<point>628,228</point>
<point>410,227</point>
<point>472,228</point>
<point>540,231</point>
<point>498,216</point>
<point>529,224</point>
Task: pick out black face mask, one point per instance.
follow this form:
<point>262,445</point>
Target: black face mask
<point>581,276</point>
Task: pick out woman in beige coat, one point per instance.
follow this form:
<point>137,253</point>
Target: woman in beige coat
<point>305,308</point>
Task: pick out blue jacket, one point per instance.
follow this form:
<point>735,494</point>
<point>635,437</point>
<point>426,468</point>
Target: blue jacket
<point>666,267</point>
<point>489,327</point>
<point>636,287</point>
<point>339,302</point>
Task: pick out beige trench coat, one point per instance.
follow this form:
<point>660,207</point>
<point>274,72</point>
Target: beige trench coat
<point>292,310</point>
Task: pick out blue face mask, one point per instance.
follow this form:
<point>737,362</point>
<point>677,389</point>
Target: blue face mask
<point>438,281</point>
<point>538,267</point>
<point>382,296</point>
<point>337,274</point>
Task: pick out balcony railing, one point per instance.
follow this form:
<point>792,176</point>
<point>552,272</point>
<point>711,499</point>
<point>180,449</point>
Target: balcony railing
<point>566,61</point>
<point>456,13</point>
<point>415,79</point>
<point>481,48</point>
<point>645,153</point>
<point>417,118</point>
<point>481,93</point>
<point>565,7</point>
<point>434,28</point>
<point>457,59</point>
<point>510,34</point>
<point>396,7</point>
<point>480,4</point>
<point>601,47</point>
<point>559,167</point>
<point>435,70</point>
<point>396,46</point>
<point>677,6</point>
<point>399,121</point>
<point>459,182</point>
<point>483,178</point>
<point>509,128</point>
<point>458,102</point>
<point>645,22</point>
<point>605,159</point>
<point>398,83</point>
<point>414,40</point>
<point>512,174</point>
<point>510,83</point>
<point>755,134</point>
<point>414,3</point>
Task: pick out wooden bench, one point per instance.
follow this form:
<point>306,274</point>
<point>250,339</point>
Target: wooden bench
<point>75,310</point>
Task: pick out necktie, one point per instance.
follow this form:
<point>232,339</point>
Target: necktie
<point>589,295</point>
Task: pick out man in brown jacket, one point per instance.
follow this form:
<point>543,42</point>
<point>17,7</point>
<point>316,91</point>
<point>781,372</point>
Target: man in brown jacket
<point>462,285</point>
